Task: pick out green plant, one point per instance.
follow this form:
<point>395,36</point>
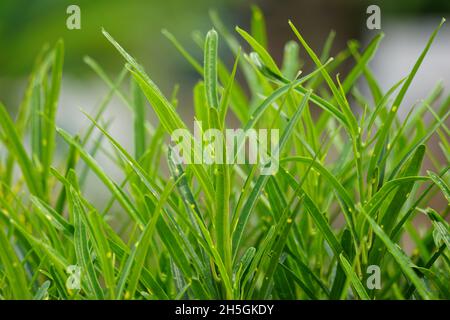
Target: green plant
<point>350,183</point>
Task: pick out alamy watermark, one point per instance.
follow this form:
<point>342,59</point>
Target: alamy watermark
<point>374,20</point>
<point>233,146</point>
<point>73,21</point>
<point>374,280</point>
<point>73,281</point>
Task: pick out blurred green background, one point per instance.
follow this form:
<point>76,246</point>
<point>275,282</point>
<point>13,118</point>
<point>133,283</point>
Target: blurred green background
<point>26,25</point>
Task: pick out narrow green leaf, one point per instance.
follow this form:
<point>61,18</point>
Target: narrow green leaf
<point>16,147</point>
<point>210,67</point>
<point>400,257</point>
<point>441,184</point>
<point>258,26</point>
<point>259,49</point>
<point>356,282</point>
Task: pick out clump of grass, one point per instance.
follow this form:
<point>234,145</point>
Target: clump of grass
<point>350,183</point>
